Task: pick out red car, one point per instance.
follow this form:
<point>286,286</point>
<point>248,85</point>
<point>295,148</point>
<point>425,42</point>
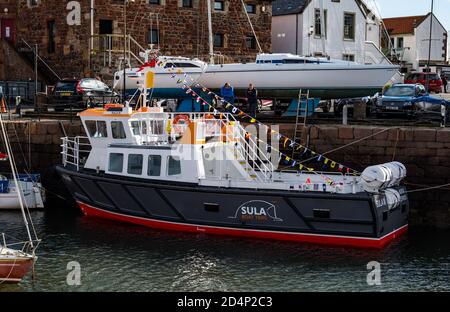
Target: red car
<point>435,81</point>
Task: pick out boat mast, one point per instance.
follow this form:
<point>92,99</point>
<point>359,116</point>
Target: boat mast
<point>322,27</point>
<point>16,183</point>
<point>210,34</point>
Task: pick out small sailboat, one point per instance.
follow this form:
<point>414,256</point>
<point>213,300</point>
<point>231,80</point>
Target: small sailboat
<point>31,189</point>
<point>16,259</point>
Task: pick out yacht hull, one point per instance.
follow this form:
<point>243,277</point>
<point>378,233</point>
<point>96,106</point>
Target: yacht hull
<point>13,270</point>
<point>281,83</point>
<point>356,220</point>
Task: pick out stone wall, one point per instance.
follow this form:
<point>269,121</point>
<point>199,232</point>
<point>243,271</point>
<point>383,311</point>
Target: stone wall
<point>13,66</point>
<point>183,31</point>
<point>424,151</point>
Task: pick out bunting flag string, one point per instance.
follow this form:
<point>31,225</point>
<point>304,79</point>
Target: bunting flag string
<point>286,141</point>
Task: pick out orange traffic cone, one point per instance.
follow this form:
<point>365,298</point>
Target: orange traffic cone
<point>3,108</point>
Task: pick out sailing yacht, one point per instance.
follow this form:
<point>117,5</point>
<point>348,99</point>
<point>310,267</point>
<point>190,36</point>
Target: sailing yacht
<point>15,263</point>
<point>277,76</point>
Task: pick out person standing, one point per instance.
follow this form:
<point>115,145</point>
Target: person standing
<point>445,82</point>
<point>252,99</point>
<point>227,93</point>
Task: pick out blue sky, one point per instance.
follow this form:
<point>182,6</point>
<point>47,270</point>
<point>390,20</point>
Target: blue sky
<point>394,8</point>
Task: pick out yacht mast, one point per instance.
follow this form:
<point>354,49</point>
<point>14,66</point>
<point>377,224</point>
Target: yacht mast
<point>211,46</point>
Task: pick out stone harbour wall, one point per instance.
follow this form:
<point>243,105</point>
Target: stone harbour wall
<point>424,151</point>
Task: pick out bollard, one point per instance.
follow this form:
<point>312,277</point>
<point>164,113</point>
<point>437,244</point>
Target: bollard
<point>18,106</point>
<point>345,115</point>
<point>444,116</point>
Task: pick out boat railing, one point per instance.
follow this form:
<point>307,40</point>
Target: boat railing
<point>75,151</point>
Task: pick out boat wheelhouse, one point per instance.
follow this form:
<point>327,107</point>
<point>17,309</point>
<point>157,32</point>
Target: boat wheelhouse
<point>203,172</point>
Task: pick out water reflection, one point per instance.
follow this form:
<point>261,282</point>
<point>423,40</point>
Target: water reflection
<point>119,257</point>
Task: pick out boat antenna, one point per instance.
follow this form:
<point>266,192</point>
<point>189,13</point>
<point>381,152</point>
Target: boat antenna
<point>211,47</point>
<point>251,26</point>
<point>16,183</point>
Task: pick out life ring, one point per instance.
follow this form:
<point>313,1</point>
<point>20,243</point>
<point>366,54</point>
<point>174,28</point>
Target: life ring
<point>180,123</point>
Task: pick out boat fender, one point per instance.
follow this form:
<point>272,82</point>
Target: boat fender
<point>393,198</point>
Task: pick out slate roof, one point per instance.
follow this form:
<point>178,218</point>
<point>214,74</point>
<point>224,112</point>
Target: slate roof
<point>285,7</point>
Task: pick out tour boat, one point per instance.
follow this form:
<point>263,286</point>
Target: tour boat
<point>278,76</point>
<point>32,192</point>
<point>204,173</point>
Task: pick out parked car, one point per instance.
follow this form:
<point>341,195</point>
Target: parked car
<point>399,99</point>
<point>435,81</point>
<point>80,94</point>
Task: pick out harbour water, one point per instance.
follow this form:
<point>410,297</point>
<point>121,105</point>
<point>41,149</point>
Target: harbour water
<point>118,257</point>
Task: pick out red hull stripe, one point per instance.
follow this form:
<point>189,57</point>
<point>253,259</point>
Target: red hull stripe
<point>286,236</point>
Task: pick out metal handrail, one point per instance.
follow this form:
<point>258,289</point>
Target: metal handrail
<point>39,58</point>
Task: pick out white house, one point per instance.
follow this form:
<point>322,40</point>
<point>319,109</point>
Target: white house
<point>352,31</point>
<point>410,39</point>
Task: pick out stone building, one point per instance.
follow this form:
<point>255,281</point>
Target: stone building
<point>62,30</point>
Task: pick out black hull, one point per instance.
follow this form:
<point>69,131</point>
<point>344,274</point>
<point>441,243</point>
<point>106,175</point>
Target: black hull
<point>354,220</point>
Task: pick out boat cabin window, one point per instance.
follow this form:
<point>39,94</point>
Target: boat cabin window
<point>135,162</point>
<point>154,166</point>
<point>180,65</point>
<point>139,127</point>
<point>115,162</point>
<point>136,127</point>
<point>96,128</point>
<point>157,127</point>
<point>117,130</point>
<point>173,166</point>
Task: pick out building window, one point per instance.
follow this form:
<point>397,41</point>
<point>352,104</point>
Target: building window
<point>51,29</point>
<point>32,3</point>
<point>117,130</point>
<point>219,5</point>
<point>348,57</point>
<point>349,26</point>
<point>218,41</point>
<point>251,8</point>
<point>153,36</point>
<point>154,166</point>
<point>317,23</point>
<point>173,166</point>
<point>115,162</point>
<point>154,1</point>
<point>96,129</point>
<point>250,42</point>
<point>400,43</point>
<point>186,4</point>
<point>392,42</point>
<point>135,164</point>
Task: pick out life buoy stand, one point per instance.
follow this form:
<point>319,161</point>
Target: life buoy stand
<point>180,123</point>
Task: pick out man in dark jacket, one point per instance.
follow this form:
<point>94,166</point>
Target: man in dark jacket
<point>445,82</point>
<point>252,99</point>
